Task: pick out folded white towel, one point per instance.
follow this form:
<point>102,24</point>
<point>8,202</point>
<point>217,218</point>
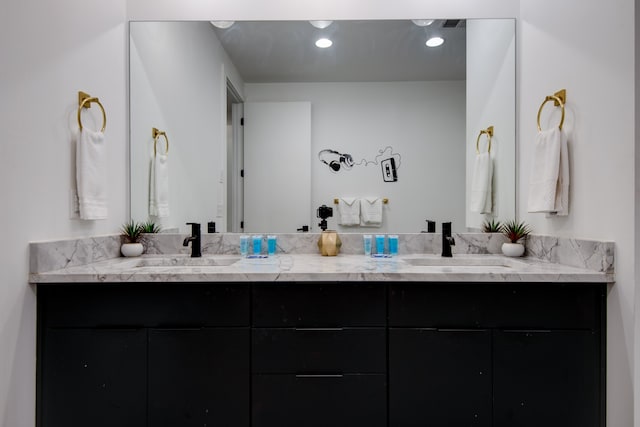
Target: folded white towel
<point>481,192</point>
<point>371,212</point>
<point>549,178</point>
<point>348,211</point>
<point>91,174</point>
<point>159,186</point>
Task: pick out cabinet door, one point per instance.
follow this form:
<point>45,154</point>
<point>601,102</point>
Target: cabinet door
<point>439,377</point>
<point>199,377</point>
<point>93,378</point>
<point>349,400</point>
<point>547,378</point>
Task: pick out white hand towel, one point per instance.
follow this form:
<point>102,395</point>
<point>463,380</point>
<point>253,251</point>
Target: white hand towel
<point>549,179</point>
<point>348,211</point>
<point>481,192</point>
<point>371,212</point>
<point>159,186</point>
<point>91,174</point>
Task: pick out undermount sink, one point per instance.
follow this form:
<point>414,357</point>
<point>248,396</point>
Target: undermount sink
<point>186,261</point>
<point>460,261</point>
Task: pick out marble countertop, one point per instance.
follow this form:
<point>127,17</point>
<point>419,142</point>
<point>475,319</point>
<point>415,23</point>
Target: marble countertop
<point>313,267</point>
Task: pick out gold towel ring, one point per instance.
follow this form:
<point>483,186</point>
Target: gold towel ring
<point>84,101</point>
<point>558,98</point>
<point>156,135</point>
<point>489,132</point>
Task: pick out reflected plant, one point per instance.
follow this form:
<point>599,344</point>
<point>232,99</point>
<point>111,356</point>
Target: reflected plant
<point>492,226</point>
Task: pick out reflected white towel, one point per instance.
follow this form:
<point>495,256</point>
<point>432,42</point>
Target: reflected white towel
<point>159,186</point>
<point>549,179</point>
<point>371,212</point>
<point>348,211</point>
<point>91,174</point>
<point>481,194</point>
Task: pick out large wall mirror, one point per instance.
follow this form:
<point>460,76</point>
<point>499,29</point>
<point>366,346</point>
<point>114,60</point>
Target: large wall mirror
<point>262,125</point>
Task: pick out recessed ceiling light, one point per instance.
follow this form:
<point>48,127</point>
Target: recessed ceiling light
<point>422,22</point>
<point>321,24</point>
<point>323,43</point>
<point>222,24</point>
<point>435,41</point>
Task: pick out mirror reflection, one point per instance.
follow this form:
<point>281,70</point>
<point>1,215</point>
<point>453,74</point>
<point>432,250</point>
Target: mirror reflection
<point>265,126</point>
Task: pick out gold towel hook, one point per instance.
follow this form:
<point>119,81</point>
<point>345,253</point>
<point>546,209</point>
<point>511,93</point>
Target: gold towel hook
<point>157,134</point>
<point>84,101</point>
<point>559,99</point>
<point>489,132</point>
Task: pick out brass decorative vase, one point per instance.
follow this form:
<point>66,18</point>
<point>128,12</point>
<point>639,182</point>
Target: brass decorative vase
<point>329,243</point>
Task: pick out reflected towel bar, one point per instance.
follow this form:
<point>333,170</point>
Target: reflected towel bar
<point>156,135</point>
<point>385,201</point>
<point>489,132</point>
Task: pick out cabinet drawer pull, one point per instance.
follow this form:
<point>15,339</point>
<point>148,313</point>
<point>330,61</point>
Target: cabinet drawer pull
<point>523,331</point>
<point>319,329</point>
<point>461,330</point>
<point>319,375</point>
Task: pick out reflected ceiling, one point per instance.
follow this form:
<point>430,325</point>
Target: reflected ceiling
<point>285,51</point>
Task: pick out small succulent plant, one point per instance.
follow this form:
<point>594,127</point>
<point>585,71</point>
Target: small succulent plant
<point>492,226</point>
<point>150,227</point>
<point>515,230</point>
<point>131,231</point>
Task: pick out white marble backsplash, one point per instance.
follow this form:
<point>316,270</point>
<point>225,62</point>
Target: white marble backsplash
<point>57,254</point>
<point>592,255</point>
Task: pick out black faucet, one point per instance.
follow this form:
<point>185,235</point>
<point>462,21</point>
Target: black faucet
<point>447,240</point>
<point>195,240</point>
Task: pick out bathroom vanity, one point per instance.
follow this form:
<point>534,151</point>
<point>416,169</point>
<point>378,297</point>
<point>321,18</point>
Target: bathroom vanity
<point>304,340</point>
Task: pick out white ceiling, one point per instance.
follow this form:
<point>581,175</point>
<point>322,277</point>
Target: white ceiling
<point>285,51</point>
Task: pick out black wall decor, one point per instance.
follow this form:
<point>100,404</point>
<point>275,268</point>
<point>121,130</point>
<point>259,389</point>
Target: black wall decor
<point>388,160</point>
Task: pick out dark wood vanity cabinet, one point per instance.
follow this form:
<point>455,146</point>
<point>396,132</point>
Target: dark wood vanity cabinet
<point>143,355</point>
<point>499,355</point>
<point>319,354</point>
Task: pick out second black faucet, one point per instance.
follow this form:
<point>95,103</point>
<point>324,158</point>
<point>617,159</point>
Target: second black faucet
<point>195,239</point>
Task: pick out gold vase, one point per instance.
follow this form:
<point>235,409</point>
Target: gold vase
<point>329,243</point>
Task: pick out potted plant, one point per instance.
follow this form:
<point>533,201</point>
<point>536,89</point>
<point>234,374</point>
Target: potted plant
<point>514,231</point>
<point>131,232</point>
<point>150,227</point>
<point>492,226</point>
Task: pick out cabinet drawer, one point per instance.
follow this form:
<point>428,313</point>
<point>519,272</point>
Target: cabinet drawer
<point>319,401</point>
<point>313,304</point>
<point>184,304</point>
<point>517,306</point>
<point>319,350</point>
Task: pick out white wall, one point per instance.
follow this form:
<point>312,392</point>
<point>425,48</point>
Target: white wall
<point>491,92</point>
<point>558,48</point>
<point>50,51</point>
<point>421,121</point>
<point>85,49</point>
<point>176,66</point>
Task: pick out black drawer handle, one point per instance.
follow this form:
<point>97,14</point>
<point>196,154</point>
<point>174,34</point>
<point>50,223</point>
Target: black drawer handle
<point>319,329</point>
<point>319,375</point>
<point>527,331</point>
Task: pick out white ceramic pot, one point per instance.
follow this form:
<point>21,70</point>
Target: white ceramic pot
<point>513,249</point>
<point>131,249</point>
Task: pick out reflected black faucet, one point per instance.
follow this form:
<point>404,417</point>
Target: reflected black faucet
<point>195,240</point>
<point>447,240</point>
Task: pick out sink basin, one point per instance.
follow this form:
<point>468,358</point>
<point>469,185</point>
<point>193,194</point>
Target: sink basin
<point>460,261</point>
<point>186,261</point>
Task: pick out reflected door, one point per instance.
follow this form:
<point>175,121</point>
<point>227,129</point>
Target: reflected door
<point>277,166</point>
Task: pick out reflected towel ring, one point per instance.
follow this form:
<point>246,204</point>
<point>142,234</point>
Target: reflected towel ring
<point>489,132</point>
<point>156,134</point>
<point>84,101</point>
<point>558,98</point>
